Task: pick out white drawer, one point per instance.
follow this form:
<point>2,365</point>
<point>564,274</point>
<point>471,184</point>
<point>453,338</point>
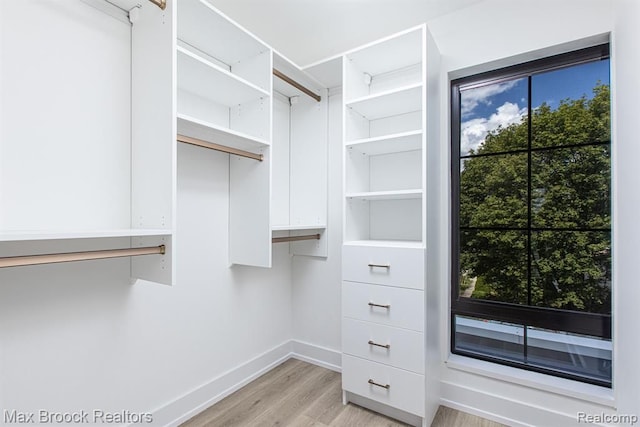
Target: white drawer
<point>402,267</point>
<point>395,387</point>
<point>401,348</point>
<point>402,308</point>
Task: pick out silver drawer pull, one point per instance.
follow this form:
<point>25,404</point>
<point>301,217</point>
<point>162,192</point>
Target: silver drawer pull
<point>372,382</point>
<point>387,266</point>
<point>373,304</point>
<point>387,346</point>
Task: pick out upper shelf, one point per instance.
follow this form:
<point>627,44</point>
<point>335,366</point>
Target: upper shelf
<point>212,82</point>
<point>389,103</point>
<point>207,29</point>
<point>25,235</point>
<point>395,143</point>
<point>399,51</point>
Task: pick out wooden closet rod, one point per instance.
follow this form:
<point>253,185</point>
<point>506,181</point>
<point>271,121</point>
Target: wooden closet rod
<point>218,147</point>
<point>162,4</point>
<point>295,238</point>
<point>18,261</point>
<point>295,84</point>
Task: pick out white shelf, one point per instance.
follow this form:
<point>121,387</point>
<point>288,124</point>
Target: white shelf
<point>398,51</point>
<point>386,195</point>
<point>393,102</point>
<point>17,236</point>
<point>294,227</point>
<point>201,129</point>
<point>386,243</point>
<point>395,143</point>
<point>205,28</point>
<point>210,81</point>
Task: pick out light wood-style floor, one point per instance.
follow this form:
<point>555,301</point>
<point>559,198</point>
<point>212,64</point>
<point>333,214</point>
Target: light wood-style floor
<point>299,394</point>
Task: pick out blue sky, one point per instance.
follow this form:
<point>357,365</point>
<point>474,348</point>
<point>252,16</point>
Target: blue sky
<point>500,104</point>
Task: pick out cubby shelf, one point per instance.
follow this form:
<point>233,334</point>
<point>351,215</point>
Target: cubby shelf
<point>201,129</point>
<point>386,243</point>
<point>386,195</point>
<point>393,143</point>
<point>392,102</point>
<point>212,82</point>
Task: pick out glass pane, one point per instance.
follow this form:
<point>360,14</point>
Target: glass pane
<point>490,338</point>
<point>493,265</point>
<point>570,188</point>
<point>571,105</point>
<point>493,191</point>
<point>493,117</point>
<point>571,270</point>
<point>586,356</point>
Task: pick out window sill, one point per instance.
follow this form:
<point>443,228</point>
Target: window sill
<point>586,392</point>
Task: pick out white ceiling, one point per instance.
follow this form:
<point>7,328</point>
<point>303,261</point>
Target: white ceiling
<point>307,31</point>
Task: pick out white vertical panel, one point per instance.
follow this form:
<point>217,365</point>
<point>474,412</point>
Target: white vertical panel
<point>153,144</point>
<point>153,147</point>
<point>309,161</point>
<point>65,131</point>
<point>280,162</point>
<point>249,213</point>
<point>356,171</point>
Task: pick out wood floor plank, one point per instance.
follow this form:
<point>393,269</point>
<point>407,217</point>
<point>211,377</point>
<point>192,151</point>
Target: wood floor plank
<point>296,400</point>
<point>248,403</point>
<point>328,406</point>
<point>304,421</point>
<point>298,394</point>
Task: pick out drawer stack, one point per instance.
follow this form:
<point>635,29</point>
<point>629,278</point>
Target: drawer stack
<point>383,325</point>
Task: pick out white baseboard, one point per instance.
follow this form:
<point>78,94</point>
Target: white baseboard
<point>199,399</point>
<point>196,401</point>
<point>510,411</point>
<point>317,355</point>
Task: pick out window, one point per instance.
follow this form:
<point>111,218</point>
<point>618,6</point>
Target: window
<point>531,216</point>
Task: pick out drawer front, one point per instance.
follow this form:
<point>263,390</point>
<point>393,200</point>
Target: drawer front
<point>394,387</point>
<point>403,267</point>
<point>402,308</point>
<point>401,348</point>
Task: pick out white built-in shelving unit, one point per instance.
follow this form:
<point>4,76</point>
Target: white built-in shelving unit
<point>384,137</point>
<point>224,97</point>
<point>383,258</point>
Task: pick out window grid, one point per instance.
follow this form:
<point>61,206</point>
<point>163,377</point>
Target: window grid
<point>586,323</point>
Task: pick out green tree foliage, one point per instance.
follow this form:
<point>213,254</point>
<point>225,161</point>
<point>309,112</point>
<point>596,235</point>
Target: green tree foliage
<point>570,189</point>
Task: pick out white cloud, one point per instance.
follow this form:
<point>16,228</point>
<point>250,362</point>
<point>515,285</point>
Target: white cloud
<point>473,132</point>
<point>471,98</point>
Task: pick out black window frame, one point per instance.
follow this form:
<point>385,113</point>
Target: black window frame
<point>583,323</point>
